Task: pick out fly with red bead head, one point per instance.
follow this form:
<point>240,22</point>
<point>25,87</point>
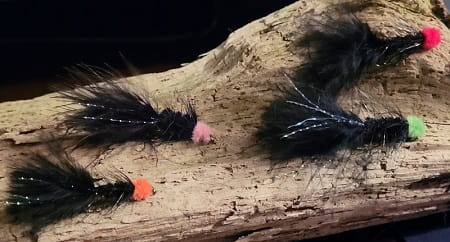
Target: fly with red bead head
<point>343,48</point>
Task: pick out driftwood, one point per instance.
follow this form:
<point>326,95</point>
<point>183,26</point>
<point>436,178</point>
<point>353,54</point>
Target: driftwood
<point>229,190</point>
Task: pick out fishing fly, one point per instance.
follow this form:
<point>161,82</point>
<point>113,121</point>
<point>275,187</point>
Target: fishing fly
<point>342,49</point>
<point>295,125</point>
<point>111,113</point>
<point>46,189</point>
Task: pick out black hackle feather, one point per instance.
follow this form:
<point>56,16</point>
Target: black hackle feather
<point>296,126</point>
<point>342,49</point>
<point>111,113</point>
<point>45,190</point>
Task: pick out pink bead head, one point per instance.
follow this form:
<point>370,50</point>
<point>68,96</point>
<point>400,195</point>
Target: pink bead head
<point>201,133</point>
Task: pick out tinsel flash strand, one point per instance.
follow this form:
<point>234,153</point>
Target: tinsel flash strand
<point>119,120</point>
<point>315,107</point>
<point>102,106</point>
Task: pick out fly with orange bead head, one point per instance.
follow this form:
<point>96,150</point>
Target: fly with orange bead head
<point>46,190</point>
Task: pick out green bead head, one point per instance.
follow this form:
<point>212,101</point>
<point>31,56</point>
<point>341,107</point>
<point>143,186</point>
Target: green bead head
<point>416,127</point>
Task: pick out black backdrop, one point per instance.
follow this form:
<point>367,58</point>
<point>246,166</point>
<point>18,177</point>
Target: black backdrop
<point>39,38</point>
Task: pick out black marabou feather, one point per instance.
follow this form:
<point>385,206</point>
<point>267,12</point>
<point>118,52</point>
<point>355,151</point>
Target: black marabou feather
<point>341,50</point>
<point>45,190</point>
<point>296,126</point>
<point>111,113</point>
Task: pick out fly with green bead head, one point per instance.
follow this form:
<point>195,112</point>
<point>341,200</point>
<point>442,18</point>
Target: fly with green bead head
<point>310,122</point>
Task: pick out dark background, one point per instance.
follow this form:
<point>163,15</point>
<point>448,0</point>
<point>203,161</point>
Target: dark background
<point>38,39</point>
